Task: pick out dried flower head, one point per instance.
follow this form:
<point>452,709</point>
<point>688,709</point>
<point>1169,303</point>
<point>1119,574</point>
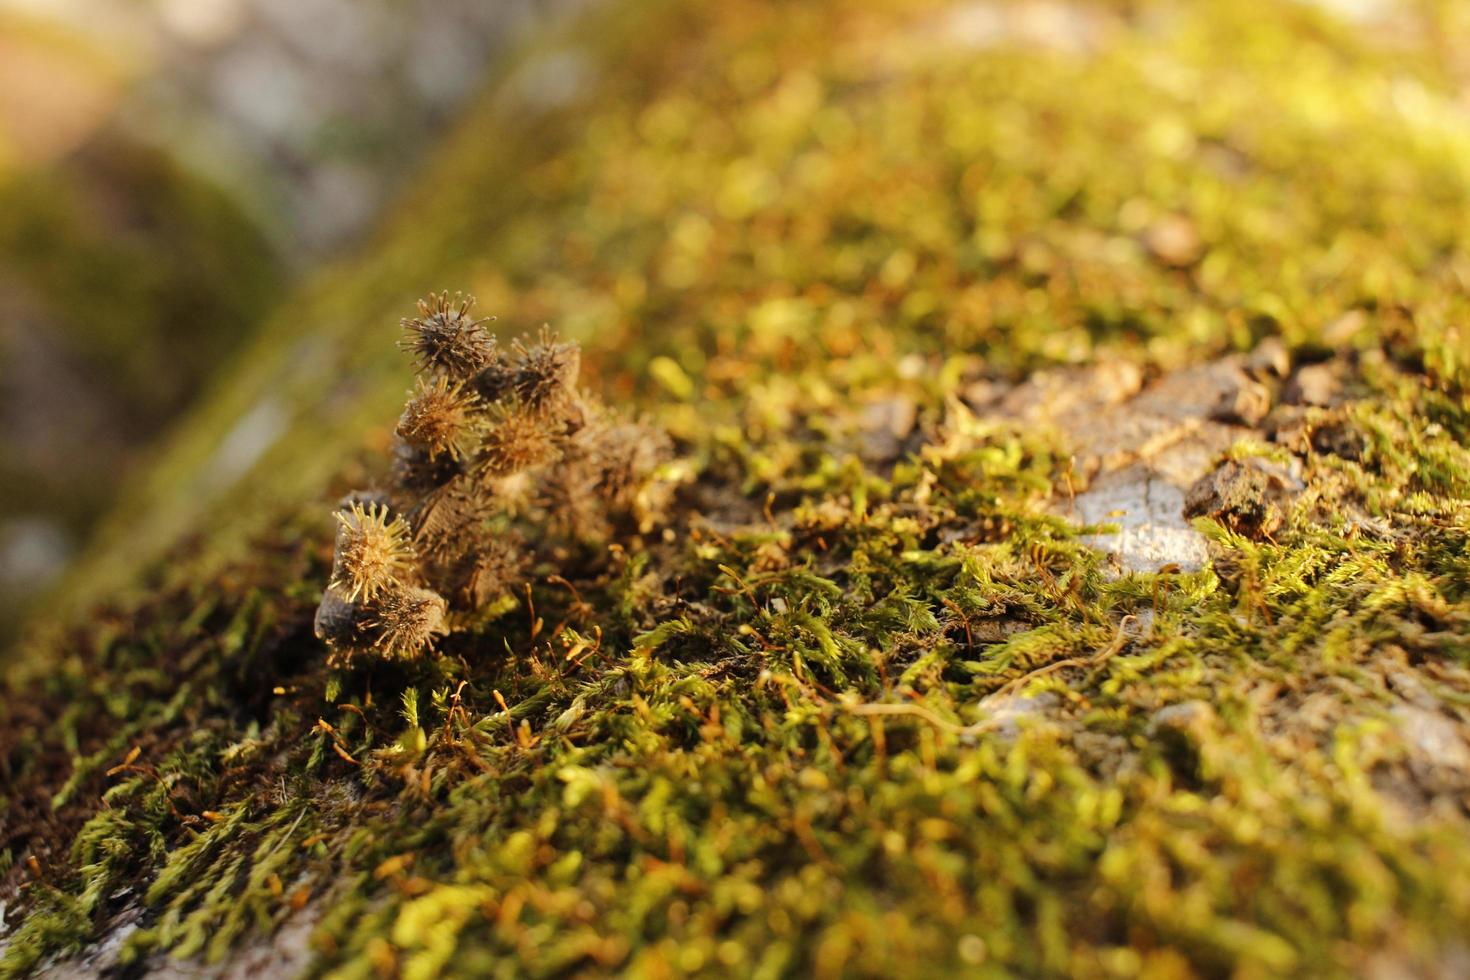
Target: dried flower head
<point>372,551</point>
<point>441,417</point>
<point>448,520</point>
<point>339,621</point>
<point>496,381</point>
<point>446,339</point>
<point>515,440</point>
<point>487,445</point>
<point>606,479</point>
<point>545,379</point>
<point>406,619</point>
<point>488,570</point>
<point>627,454</point>
<point>416,474</point>
<point>514,494</point>
<point>570,502</point>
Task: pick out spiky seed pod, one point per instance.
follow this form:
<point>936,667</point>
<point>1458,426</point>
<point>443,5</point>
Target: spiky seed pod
<point>441,418</point>
<point>514,495</point>
<point>372,551</point>
<point>405,620</point>
<point>627,456</point>
<point>515,440</point>
<point>486,571</point>
<point>416,474</point>
<point>606,479</point>
<point>496,381</point>
<point>486,443</point>
<point>545,379</point>
<point>365,498</point>
<point>570,502</point>
<point>339,622</point>
<point>446,339</point>
<point>450,519</point>
<point>494,574</point>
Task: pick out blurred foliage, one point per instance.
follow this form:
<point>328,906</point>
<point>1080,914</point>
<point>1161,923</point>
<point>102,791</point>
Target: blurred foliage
<point>125,280</point>
<point>148,274</point>
<point>788,737</point>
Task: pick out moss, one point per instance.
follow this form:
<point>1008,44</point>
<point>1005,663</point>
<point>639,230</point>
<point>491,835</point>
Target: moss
<point>870,703</point>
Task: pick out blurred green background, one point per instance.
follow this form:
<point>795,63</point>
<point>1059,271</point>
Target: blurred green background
<point>167,168</point>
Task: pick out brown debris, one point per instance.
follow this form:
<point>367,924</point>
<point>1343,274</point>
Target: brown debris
<point>1146,452</point>
<point>1245,402</point>
<point>1248,496</point>
<point>1270,360</point>
<point>1315,384</point>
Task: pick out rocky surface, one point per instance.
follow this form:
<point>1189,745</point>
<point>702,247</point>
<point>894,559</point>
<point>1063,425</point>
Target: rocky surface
<point>1147,455</point>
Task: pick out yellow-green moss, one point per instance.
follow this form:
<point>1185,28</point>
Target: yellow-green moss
<point>764,745</point>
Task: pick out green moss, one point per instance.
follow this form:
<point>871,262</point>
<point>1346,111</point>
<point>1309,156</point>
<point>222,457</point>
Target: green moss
<point>867,704</point>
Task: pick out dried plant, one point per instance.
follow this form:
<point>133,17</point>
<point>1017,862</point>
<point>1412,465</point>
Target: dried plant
<point>373,550</point>
<point>517,440</point>
<point>545,378</point>
<point>497,460</point>
<point>440,417</point>
<point>407,620</point>
<point>446,339</point>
